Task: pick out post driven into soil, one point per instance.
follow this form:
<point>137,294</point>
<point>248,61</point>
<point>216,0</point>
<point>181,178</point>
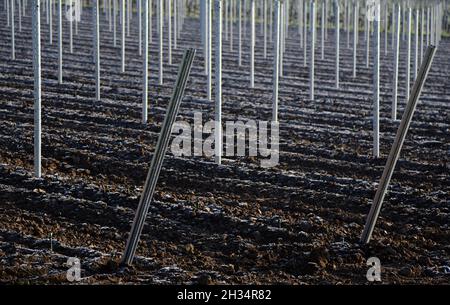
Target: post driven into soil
<point>397,146</point>
<point>36,19</point>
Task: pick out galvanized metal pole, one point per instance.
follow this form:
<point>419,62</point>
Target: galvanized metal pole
<point>71,27</point>
<point>60,50</point>
<point>326,19</point>
<point>300,21</point>
<point>225,4</point>
<point>282,32</point>
<point>19,10</point>
<point>240,35</point>
<point>78,4</point>
<point>231,23</point>
<point>50,23</point>
<point>160,40</point>
<point>408,56</point>
<point>97,48</point>
<point>114,22</point>
<point>13,44</point>
<point>150,20</point>
<point>265,28</point>
<point>428,26</point>
<point>8,13</point>
<point>139,6</point>
<point>36,24</point>
<point>209,27</point>
<point>218,86</point>
<point>393,26</point>
<point>368,43</point>
<point>122,42</point>
<point>305,33</point>
<point>397,146</point>
<point>204,30</point>
<point>355,41</point>
<point>416,44</point>
<point>158,158</point>
<point>175,24</point>
<point>145,64</point>
<point>276,60</point>
<point>337,25</point>
<point>109,15</point>
<point>128,11</point>
<point>313,43</point>
<point>169,31</point>
<point>322,34</point>
<point>386,14</point>
<point>252,43</point>
<point>376,82</point>
<point>396,60</point>
<point>421,34</point>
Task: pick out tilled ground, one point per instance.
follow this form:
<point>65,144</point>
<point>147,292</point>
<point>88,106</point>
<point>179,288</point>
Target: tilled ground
<point>298,222</point>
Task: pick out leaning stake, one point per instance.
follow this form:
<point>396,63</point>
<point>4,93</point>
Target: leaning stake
<point>158,158</point>
<point>397,146</point>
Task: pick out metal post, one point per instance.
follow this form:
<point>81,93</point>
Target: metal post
<point>209,26</point>
<point>36,20</point>
<point>252,43</point>
<point>422,20</point>
<point>231,23</point>
<point>145,65</point>
<point>158,158</point>
<point>368,43</point>
<point>225,3</point>
<point>109,15</point>
<point>160,40</point>
<point>396,60</point>
<point>386,14</point>
<point>312,42</point>
<point>122,42</point>
<point>150,20</point>
<point>60,50</point>
<point>408,56</point>
<point>282,32</point>
<point>139,5</point>
<point>204,29</point>
<point>393,26</point>
<point>8,13</point>
<point>19,10</point>
<point>76,19</point>
<point>50,31</point>
<point>97,49</point>
<point>326,19</point>
<point>265,27</point>
<point>322,34</point>
<point>416,44</point>
<point>71,28</point>
<point>305,33</point>
<point>276,60</point>
<point>300,21</point>
<point>218,87</point>
<point>337,16</point>
<point>13,44</point>
<point>376,83</point>
<point>240,35</point>
<point>355,42</point>
<point>128,11</point>
<point>397,146</point>
<point>428,26</point>
<point>169,31</point>
<point>114,22</point>
<point>175,24</point>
